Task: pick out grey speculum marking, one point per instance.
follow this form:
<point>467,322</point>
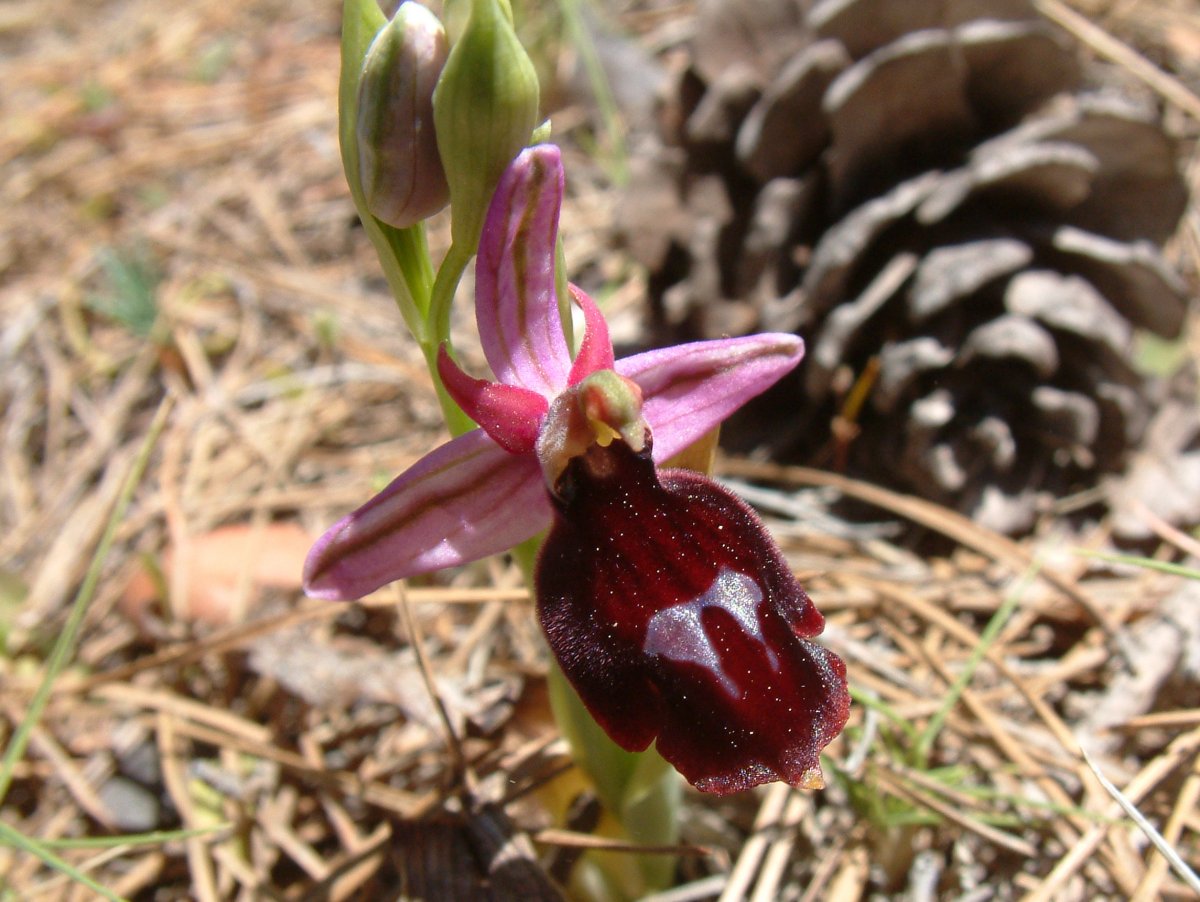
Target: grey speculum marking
<point>677,633</point>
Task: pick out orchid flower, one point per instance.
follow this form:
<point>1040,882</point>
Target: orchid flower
<point>670,609</point>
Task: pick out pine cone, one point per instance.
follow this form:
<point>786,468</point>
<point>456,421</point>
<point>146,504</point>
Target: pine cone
<point>966,237</point>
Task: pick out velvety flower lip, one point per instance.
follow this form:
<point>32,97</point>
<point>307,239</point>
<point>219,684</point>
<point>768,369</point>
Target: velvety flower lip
<point>484,492</point>
<point>675,616</point>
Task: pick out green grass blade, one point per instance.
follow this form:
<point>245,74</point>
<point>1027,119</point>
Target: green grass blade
<point>869,700</point>
<point>64,646</point>
<point>986,639</point>
<point>1144,562</point>
<point>610,113</point>
<point>10,836</point>
<point>153,838</point>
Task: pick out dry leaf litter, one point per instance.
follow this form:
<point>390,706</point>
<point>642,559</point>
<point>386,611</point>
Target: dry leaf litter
<point>178,232</point>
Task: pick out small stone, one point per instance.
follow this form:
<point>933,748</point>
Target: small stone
<point>133,807</point>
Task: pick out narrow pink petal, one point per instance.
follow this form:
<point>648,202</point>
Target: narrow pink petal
<point>596,350</point>
<point>509,414</point>
<point>461,502</point>
<point>691,388</point>
<point>515,301</point>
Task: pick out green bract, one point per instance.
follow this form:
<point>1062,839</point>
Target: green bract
<point>484,108</point>
<point>401,173</point>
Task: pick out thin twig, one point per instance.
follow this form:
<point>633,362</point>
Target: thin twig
<point>1167,86</point>
<point>457,759</point>
<point>1165,849</point>
<point>200,863</point>
<point>242,634</point>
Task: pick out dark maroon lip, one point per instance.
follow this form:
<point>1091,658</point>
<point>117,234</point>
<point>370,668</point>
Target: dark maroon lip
<point>676,617</point>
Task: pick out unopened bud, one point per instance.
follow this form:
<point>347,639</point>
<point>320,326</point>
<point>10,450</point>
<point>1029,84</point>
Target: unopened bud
<point>402,176</point>
<point>485,108</point>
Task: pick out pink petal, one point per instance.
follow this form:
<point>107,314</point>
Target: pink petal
<point>596,350</point>
<point>515,301</point>
<point>461,502</point>
<point>691,388</point>
<point>509,414</point>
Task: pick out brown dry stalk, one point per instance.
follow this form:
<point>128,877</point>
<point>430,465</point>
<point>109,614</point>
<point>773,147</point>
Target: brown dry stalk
<point>573,840</point>
<point>1165,85</point>
<point>1166,720</point>
<point>953,813</point>
<point>458,764</point>
<point>768,820</point>
<point>77,784</point>
<point>172,753</point>
<point>242,634</point>
<point>779,855</point>
<point>159,700</point>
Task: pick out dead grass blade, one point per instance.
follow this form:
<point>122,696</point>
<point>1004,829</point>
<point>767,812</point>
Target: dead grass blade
<point>64,646</point>
<point>454,747</point>
<point>954,814</point>
<point>173,757</point>
<point>572,840</point>
<point>1182,748</point>
<point>1160,842</point>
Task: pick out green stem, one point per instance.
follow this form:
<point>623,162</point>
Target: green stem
<point>581,38</point>
<point>410,251</point>
<point>442,296</point>
<point>456,421</point>
<point>435,330</point>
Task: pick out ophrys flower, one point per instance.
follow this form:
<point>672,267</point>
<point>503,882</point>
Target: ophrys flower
<point>666,602</point>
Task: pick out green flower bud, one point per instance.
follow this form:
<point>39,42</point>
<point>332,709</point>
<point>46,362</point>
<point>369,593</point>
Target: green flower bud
<point>485,108</point>
<point>398,163</point>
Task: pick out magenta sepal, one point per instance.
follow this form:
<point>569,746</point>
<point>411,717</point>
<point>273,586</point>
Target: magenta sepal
<point>466,500</point>
<point>674,615</point>
<point>691,388</point>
